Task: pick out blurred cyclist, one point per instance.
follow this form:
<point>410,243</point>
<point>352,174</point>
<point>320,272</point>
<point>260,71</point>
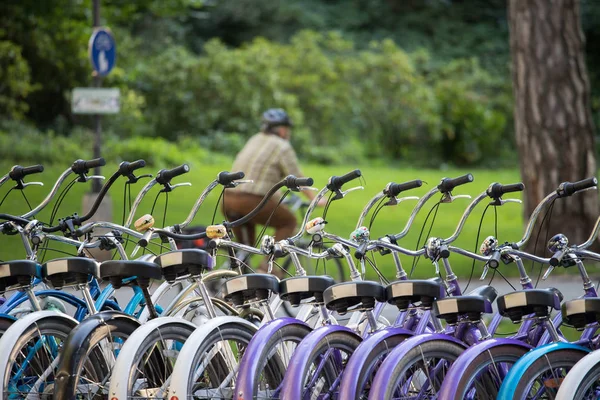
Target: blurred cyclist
<point>267,158</point>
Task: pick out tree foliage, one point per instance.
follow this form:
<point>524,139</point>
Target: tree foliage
<point>416,80</point>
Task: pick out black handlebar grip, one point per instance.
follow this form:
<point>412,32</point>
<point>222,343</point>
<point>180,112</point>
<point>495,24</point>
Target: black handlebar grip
<point>394,189</point>
<point>293,182</point>
<point>494,261</point>
<point>361,251</point>
<point>164,176</point>
<point>126,168</point>
<point>18,172</point>
<point>225,178</point>
<point>569,188</point>
<point>97,162</point>
<point>82,166</point>
<point>336,182</point>
<point>557,258</point>
<point>496,190</point>
<point>447,184</point>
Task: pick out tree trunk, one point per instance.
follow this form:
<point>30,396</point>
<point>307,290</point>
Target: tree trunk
<point>553,122</point>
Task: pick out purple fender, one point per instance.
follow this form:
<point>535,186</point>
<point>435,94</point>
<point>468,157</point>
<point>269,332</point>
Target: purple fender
<point>384,374</point>
<point>360,357</point>
<point>458,369</point>
<point>245,384</point>
<point>292,384</point>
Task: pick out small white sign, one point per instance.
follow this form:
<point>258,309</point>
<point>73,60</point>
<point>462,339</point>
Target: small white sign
<point>95,101</point>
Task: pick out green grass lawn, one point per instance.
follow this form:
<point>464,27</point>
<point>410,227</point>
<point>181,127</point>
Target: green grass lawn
<point>342,216</point>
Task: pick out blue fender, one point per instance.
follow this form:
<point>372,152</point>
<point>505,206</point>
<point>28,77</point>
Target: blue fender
<point>384,374</point>
<point>356,364</point>
<point>458,369</point>
<point>509,385</point>
<point>250,360</point>
<point>292,385</point>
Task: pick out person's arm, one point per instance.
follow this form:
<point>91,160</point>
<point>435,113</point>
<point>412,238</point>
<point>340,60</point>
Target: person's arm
<point>288,163</point>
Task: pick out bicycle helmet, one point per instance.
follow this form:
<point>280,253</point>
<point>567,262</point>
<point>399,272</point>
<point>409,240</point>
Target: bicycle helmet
<point>275,117</point>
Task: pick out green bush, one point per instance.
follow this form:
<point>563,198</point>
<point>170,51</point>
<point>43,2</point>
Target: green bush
<point>347,104</point>
<point>24,144</point>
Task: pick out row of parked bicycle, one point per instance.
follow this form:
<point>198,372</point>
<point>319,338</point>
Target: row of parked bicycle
<point>204,332</point>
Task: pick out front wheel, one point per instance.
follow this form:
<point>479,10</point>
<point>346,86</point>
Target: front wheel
<point>486,372</point>
<point>418,374</point>
<point>30,352</point>
<point>207,365</point>
<point>544,377</point>
<point>583,381</point>
<point>317,365</point>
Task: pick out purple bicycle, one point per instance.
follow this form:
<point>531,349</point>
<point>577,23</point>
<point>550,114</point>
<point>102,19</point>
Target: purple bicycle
<point>420,366</point>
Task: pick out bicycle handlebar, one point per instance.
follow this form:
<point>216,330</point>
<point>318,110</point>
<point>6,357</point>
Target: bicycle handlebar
<point>447,184</point>
<point>164,176</point>
<point>336,182</point>
<point>567,188</point>
<point>496,190</point>
<point>394,189</point>
<point>226,178</point>
<point>80,167</point>
<point>18,172</point>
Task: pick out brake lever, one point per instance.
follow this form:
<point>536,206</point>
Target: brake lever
<point>502,202</point>
<point>309,188</point>
<point>352,190</point>
<point>485,272</point>
<point>548,271</point>
<point>87,178</point>
<point>395,201</point>
<point>448,198</point>
<point>24,185</point>
<point>437,266</point>
<point>179,184</point>
<point>235,183</point>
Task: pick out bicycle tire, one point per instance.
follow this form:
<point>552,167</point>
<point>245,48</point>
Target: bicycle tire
<point>333,344</point>
<point>150,343</point>
<point>369,366</point>
<point>270,366</point>
<point>205,355</point>
<point>501,357</point>
<point>559,362</point>
<point>407,373</point>
<point>583,381</point>
<point>41,364</point>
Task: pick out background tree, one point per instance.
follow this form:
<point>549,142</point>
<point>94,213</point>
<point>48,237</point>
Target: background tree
<point>552,113</point>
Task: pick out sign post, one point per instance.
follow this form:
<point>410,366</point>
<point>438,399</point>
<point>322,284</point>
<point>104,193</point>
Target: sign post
<point>103,54</point>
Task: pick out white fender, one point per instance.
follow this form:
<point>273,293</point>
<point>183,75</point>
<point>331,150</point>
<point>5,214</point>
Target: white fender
<point>122,369</point>
<point>183,365</point>
<point>16,331</point>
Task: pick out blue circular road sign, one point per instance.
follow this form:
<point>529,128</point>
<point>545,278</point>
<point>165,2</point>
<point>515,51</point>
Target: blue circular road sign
<point>103,51</point>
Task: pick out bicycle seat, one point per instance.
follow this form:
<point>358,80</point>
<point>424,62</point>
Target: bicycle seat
<point>580,312</point>
<point>518,304</point>
<point>299,288</point>
<point>353,296</point>
<point>485,291</point>
<point>250,287</point>
<point>116,270</point>
<point>450,308</point>
<point>404,293</point>
<point>69,271</point>
<point>18,273</point>
<point>178,263</point>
